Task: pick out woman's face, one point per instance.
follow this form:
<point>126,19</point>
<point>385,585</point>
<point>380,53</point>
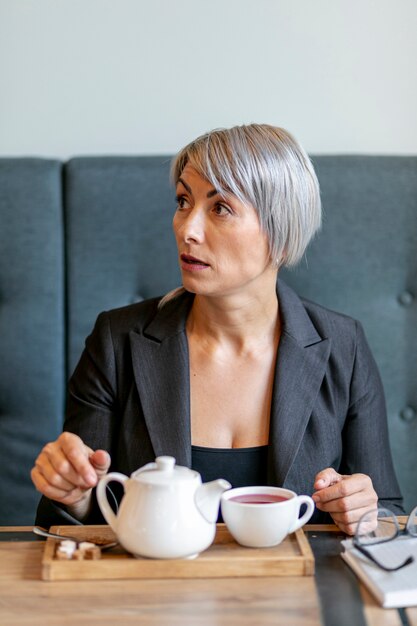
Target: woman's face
<point>222,249</point>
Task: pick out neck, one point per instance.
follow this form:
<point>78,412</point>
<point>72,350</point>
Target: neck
<point>244,322</point>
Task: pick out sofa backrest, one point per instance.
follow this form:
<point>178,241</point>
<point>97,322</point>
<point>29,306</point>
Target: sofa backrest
<point>31,325</point>
<point>120,245</point>
<point>364,263</point>
<point>117,240</point>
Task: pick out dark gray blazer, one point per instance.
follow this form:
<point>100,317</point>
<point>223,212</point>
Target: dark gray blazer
<point>130,395</point>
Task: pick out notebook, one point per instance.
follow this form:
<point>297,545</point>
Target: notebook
<point>391,589</point>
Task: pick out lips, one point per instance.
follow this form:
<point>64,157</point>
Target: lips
<point>193,261</point>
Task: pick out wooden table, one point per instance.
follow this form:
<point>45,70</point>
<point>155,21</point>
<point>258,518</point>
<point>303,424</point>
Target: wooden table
<point>331,598</point>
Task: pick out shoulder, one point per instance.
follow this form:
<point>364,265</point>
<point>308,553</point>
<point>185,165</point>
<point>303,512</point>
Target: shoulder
<point>309,321</point>
<point>329,321</point>
<point>147,318</point>
<point>350,356</point>
<point>131,317</point>
<point>346,333</point>
<point>112,327</point>
<point>347,336</point>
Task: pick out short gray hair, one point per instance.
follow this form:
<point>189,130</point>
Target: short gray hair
<point>266,167</point>
<point>263,166</point>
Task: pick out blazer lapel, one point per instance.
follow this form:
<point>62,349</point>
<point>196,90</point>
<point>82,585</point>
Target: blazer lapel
<point>301,365</point>
<point>161,370</point>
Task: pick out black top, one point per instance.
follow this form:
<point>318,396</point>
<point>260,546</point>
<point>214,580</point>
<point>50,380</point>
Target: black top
<point>242,467</point>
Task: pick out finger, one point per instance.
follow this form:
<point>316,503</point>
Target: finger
<point>327,477</point>
<point>100,460</point>
<point>77,454</point>
<point>53,485</point>
<point>354,502</point>
<point>352,516</point>
<point>348,529</point>
<point>53,459</point>
<point>348,486</point>
<point>348,522</point>
<point>54,493</point>
<point>52,476</point>
<point>53,462</point>
<point>354,492</point>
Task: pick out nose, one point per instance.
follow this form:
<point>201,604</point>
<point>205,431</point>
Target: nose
<point>192,228</point>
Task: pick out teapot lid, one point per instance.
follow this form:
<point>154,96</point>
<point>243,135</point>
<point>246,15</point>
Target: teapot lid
<point>163,471</point>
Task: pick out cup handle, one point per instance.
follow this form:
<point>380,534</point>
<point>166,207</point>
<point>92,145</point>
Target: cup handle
<point>300,521</point>
<point>102,500</point>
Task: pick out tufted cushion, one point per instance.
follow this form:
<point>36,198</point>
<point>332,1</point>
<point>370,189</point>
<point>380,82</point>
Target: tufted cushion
<point>120,246</point>
<point>364,263</point>
<point>31,326</point>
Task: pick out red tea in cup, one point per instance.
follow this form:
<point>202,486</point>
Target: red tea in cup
<point>258,498</point>
<point>257,526</point>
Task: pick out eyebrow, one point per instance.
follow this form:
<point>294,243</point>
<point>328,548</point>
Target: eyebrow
<point>210,194</point>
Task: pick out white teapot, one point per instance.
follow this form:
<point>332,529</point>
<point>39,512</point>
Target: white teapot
<point>166,512</point>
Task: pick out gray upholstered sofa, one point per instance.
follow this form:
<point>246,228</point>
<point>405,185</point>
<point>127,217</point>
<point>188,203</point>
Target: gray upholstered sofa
<point>94,233</point>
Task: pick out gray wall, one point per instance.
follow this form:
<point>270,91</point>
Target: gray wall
<point>145,76</point>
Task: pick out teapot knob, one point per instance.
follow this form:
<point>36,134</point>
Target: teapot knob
<point>165,463</point>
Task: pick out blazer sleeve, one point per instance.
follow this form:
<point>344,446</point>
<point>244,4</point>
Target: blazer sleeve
<point>92,402</point>
<point>91,413</point>
<point>365,434</point>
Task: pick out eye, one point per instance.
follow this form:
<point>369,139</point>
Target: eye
<point>182,202</point>
<point>222,210</point>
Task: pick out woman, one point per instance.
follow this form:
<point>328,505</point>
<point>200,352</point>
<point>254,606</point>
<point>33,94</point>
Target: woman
<point>232,374</point>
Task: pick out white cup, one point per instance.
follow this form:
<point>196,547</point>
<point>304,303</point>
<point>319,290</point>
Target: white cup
<point>266,523</point>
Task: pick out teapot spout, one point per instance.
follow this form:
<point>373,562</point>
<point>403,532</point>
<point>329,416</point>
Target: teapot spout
<point>207,498</point>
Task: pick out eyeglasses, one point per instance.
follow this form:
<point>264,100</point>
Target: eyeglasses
<point>381,526</point>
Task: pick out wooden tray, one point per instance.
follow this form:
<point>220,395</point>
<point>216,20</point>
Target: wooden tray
<point>225,558</point>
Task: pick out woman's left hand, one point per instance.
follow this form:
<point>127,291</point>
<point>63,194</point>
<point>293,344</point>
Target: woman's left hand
<point>345,498</point>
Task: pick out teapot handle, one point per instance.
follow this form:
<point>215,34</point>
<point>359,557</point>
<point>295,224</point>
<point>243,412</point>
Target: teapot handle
<point>102,500</point>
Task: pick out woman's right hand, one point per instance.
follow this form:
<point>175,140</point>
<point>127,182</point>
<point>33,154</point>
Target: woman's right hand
<point>66,470</point>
